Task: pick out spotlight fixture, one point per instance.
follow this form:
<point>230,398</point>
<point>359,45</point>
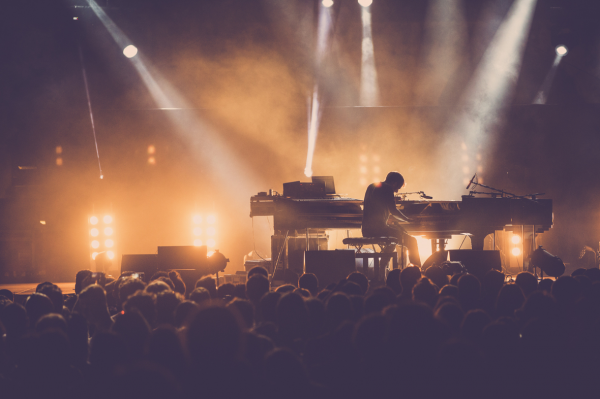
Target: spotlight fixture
<point>107,219</point>
<point>515,239</point>
<point>327,3</point>
<point>561,50</point>
<point>130,51</point>
<point>365,3</point>
<point>516,251</point>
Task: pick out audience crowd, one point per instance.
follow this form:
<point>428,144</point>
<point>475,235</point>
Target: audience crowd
<point>420,335</point>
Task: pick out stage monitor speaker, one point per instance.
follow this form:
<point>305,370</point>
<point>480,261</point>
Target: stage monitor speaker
<point>182,257</point>
<point>477,262</point>
<point>147,264</point>
<point>330,266</point>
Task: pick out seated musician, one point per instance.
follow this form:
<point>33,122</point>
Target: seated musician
<point>380,207</point>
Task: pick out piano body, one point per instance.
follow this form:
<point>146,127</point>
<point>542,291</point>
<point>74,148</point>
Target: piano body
<point>475,216</point>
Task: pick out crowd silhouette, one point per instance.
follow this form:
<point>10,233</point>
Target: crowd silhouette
<point>421,335</point>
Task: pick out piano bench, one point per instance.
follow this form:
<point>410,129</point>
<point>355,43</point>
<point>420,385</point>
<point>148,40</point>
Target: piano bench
<point>383,243</point>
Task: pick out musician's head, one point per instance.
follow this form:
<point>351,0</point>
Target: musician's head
<point>395,180</point>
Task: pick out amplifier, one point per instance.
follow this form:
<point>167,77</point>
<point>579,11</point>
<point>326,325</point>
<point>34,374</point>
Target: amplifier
<point>298,189</point>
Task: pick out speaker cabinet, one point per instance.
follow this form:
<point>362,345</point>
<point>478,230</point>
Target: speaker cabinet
<point>147,264</point>
<point>329,266</point>
<point>477,262</point>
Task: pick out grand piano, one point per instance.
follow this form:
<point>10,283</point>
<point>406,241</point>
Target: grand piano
<point>476,216</point>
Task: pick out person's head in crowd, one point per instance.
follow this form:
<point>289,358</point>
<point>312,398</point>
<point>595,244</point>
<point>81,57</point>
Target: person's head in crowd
<point>310,282</point>
<point>159,274</point>
<point>323,294</point>
<point>142,302</point>
<point>393,281</point>
<point>578,272</point>
<point>539,305</point>
<point>257,270</point>
<point>77,331</point>
<point>178,283</point>
<point>107,351</point>
<point>285,288</point>
<point>92,304</point>
<point>135,330</point>
<point>408,278</point>
<point>350,288</point>
<point>455,277</point>
<point>225,290</point>
<point>303,292</point>
<point>144,380</point>
<point>500,338</point>
<point>256,287</point>
<point>566,290</point>
<point>376,302</point>
<point>38,305</point>
<point>165,280</point>
<point>370,336</point>
<point>473,324</point>
<point>510,298</point>
<point>210,284</point>
<point>592,273</point>
<point>491,283</point>
<point>156,286</point>
<point>40,285</point>
<point>287,374</point>
<point>267,307</point>
<point>239,291</point>
<point>316,317</point>
<point>528,283</point>
<point>469,291</point>
<point>449,290</point>
<point>361,280</point>
<point>51,321</point>
<point>79,279</point>
<point>338,309</point>
<point>245,309</point>
<point>451,315</point>
<point>586,284</point>
<point>166,303</point>
<point>425,291</point>
<point>214,339</point>
<point>164,348</point>
<point>437,276</point>
<point>8,294</point>
<point>55,294</point>
<point>546,285</point>
<point>15,320</point>
<point>184,311</point>
<point>292,317</point>
<point>200,295</point>
<point>128,287</point>
<point>445,299</point>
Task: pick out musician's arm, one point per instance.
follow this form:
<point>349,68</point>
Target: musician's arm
<point>396,214</point>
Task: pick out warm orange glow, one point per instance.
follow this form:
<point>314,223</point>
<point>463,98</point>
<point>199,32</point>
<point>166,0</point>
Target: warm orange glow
<point>515,239</point>
<point>197,219</point>
<point>59,149</point>
<point>516,251</point>
<point>95,244</point>
<point>211,219</point>
<point>110,255</point>
<point>197,243</point>
<point>108,231</point>
<point>152,160</point>
<point>94,254</point>
<point>211,231</point>
<point>197,231</point>
<point>151,149</point>
<point>109,243</point>
<point>210,253</point>
<point>59,161</point>
<point>107,219</point>
<point>94,232</point>
<point>211,243</point>
<point>93,220</point>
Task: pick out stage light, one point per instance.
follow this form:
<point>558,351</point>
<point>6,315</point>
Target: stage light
<point>515,239</point>
<point>197,231</point>
<point>327,3</point>
<point>363,170</point>
<point>211,243</point>
<point>561,50</point>
<point>130,51</point>
<point>42,222</point>
<point>152,160</point>
<point>110,255</point>
<point>151,149</point>
<point>93,220</point>
<point>94,232</point>
<point>516,251</point>
<point>211,231</point>
<point>210,253</point>
<point>211,219</point>
<point>95,244</point>
<point>108,231</point>
<point>197,219</point>
<point>58,149</point>
<point>365,3</point>
<point>197,243</point>
<point>107,219</point>
<point>109,243</point>
<point>94,254</point>
<point>59,161</point>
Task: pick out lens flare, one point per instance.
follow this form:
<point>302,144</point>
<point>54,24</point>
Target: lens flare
<point>130,51</point>
<point>327,3</point>
<point>561,50</point>
<point>365,3</point>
